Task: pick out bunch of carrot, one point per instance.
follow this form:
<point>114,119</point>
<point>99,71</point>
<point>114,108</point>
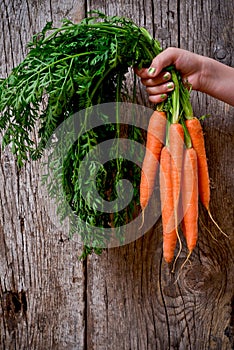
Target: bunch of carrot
<point>175,141</point>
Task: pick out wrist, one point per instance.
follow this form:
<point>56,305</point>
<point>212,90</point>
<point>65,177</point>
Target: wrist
<point>217,80</point>
<point>207,76</point>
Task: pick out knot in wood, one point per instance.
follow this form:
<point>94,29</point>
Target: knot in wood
<point>201,279</point>
<point>222,54</point>
<point>14,307</point>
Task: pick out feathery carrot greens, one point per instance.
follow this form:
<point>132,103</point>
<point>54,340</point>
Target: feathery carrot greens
<point>66,70</point>
<point>69,69</point>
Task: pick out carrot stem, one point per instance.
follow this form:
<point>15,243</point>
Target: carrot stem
<point>185,102</point>
<point>187,138</point>
<point>175,98</point>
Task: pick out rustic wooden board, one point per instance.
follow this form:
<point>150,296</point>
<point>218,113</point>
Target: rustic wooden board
<point>42,281</point>
<point>127,298</point>
<point>134,301</point>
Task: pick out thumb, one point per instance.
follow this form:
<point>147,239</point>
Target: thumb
<point>165,59</point>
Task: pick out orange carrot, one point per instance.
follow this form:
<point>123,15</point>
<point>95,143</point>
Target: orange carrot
<point>176,145</point>
<point>197,138</point>
<point>167,206</point>
<point>154,143</point>
<point>196,134</point>
<point>190,198</point>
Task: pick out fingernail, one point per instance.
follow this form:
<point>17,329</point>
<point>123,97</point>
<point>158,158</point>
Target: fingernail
<point>170,85</point>
<point>163,96</point>
<point>151,70</point>
<point>166,76</point>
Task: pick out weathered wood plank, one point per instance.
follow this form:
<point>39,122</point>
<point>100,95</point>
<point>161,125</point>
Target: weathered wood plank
<point>134,301</point>
<point>41,280</point>
<point>127,298</point>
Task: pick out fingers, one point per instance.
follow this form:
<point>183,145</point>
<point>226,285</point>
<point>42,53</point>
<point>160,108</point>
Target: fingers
<point>158,80</point>
<point>155,79</point>
<point>165,59</point>
<point>159,93</point>
<point>151,73</point>
<point>157,76</point>
<point>158,87</point>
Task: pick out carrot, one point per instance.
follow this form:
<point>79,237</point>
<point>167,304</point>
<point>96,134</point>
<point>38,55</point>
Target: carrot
<point>190,198</point>
<point>167,205</point>
<point>196,134</point>
<point>176,145</point>
<point>154,143</point>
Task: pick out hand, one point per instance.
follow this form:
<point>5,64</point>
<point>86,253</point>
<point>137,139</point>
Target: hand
<point>158,81</point>
<point>198,72</point>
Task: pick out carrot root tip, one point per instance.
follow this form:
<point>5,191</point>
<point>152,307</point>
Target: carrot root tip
<point>213,220</point>
<point>178,254</point>
<point>183,265</point>
<point>206,228</point>
<point>143,219</point>
<point>187,259</point>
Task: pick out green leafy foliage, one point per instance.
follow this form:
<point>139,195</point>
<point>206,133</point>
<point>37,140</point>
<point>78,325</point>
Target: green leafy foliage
<point>66,70</point>
<point>72,67</point>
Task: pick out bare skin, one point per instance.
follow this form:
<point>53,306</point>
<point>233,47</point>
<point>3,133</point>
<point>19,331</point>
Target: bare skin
<point>203,73</point>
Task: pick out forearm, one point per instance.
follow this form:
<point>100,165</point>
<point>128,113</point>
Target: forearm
<point>217,80</point>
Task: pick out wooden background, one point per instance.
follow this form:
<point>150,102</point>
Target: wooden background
<point>127,298</point>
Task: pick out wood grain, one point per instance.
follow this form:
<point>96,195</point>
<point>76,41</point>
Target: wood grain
<point>42,282</point>
<point>127,298</point>
<point>134,301</point>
